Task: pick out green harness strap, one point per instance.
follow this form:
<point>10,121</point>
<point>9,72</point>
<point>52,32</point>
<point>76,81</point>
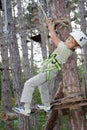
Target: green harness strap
<point>52,59</point>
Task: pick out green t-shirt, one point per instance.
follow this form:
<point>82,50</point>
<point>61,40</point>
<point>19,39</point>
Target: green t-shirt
<point>62,54</point>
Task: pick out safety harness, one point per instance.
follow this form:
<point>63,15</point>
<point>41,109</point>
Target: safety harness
<point>52,59</point>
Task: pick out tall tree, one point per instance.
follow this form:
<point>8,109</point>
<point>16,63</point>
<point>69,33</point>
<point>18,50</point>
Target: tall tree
<point>27,71</point>
<point>22,32</point>
<point>82,4</point>
<point>14,54</point>
<point>60,17</point>
<point>15,62</point>
<point>82,12</point>
<point>6,93</point>
<point>71,84</point>
<point>43,38</point>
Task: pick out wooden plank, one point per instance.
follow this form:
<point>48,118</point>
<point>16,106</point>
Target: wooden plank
<point>71,104</point>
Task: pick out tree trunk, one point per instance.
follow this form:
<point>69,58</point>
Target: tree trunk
<point>59,12</point>
<point>69,69</point>
<point>15,64</point>
<point>82,12</point>
<point>83,21</point>
<point>51,120</point>
<point>70,74</point>
<point>78,120</point>
<point>6,93</point>
<point>14,55</point>
<point>22,32</point>
<point>43,39</point>
<point>27,70</point>
<point>32,59</point>
<point>70,87</point>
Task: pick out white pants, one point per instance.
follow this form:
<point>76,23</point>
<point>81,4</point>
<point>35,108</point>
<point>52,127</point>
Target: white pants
<point>40,81</point>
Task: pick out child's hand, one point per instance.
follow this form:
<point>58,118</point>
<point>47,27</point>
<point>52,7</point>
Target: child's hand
<point>47,21</point>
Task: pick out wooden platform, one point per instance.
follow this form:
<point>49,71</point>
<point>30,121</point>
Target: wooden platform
<point>70,104</point>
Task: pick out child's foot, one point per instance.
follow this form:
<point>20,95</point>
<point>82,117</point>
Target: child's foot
<point>22,110</point>
<point>43,107</point>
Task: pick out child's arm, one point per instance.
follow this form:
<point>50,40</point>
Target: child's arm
<point>54,38</point>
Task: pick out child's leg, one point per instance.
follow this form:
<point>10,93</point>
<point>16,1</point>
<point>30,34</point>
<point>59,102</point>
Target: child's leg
<point>30,85</point>
<point>28,92</point>
<point>44,90</point>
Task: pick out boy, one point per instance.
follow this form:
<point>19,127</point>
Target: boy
<point>50,69</point>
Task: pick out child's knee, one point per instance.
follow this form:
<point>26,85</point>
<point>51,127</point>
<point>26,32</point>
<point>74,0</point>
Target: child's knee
<point>26,83</point>
<point>29,82</point>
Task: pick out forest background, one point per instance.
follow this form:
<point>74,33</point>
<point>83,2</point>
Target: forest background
<point>24,44</point>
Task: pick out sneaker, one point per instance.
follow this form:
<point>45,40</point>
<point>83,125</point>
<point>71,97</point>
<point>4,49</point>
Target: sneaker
<point>43,107</point>
<point>22,110</point>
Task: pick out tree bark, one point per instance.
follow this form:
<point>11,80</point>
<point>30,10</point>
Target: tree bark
<point>43,39</point>
<point>69,69</point>
<point>15,64</point>
<point>51,120</point>
<point>22,32</point>
<point>77,120</point>
<point>59,12</point>
<point>14,54</point>
<point>70,74</point>
<point>6,93</point>
<point>83,21</point>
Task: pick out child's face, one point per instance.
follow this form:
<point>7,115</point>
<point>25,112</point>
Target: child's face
<point>71,43</point>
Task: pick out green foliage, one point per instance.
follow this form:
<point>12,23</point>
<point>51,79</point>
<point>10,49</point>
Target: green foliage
<point>41,116</point>
<point>0,108</point>
<point>36,96</point>
<point>64,123</point>
<point>0,79</point>
<point>80,73</point>
<point>2,125</point>
<point>0,83</point>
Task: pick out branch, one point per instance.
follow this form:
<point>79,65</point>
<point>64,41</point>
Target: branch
<point>7,116</point>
